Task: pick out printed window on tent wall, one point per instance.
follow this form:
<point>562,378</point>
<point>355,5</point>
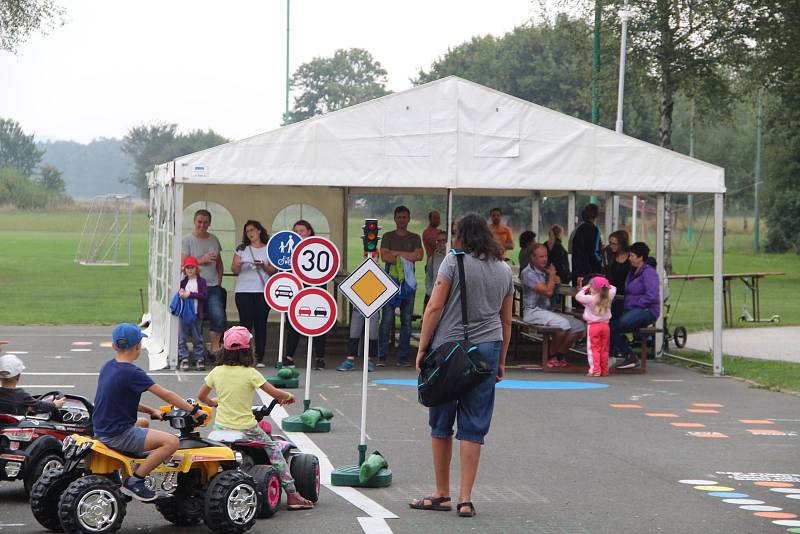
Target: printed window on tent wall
<point>222,226</point>
<point>294,212</point>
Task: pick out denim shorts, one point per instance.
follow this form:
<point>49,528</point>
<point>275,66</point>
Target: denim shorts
<point>215,309</point>
<point>131,440</point>
<point>473,409</point>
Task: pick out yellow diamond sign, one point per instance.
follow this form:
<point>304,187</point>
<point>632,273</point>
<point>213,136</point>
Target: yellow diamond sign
<point>368,287</point>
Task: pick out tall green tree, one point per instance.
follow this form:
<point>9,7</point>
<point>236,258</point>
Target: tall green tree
<point>17,149</point>
<point>19,19</point>
<point>50,178</point>
<point>151,144</point>
<point>328,84</point>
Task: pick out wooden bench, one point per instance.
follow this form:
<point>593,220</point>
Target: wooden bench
<point>644,350</point>
<point>532,332</point>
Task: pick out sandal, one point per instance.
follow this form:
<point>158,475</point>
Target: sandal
<point>471,512</point>
<point>435,504</point>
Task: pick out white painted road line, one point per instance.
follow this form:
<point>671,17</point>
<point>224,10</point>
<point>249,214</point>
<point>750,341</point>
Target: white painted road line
<point>80,350</point>
<point>375,524</point>
<point>62,386</point>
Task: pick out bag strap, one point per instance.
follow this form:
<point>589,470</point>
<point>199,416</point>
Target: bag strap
<point>462,283</point>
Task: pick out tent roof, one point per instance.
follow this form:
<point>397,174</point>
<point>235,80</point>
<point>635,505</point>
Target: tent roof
<point>448,134</point>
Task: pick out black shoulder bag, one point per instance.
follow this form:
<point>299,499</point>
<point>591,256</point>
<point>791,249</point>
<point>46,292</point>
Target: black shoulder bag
<point>454,367</point>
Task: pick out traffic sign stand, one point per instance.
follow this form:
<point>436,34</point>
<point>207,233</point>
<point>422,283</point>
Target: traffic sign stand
<point>312,312</point>
<point>275,380</point>
<point>368,288</point>
<point>279,289</point>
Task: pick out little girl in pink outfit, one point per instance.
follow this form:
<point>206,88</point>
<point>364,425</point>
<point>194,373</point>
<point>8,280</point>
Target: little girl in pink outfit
<point>596,298</point>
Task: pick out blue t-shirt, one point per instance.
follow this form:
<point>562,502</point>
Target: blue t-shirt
<point>116,403</point>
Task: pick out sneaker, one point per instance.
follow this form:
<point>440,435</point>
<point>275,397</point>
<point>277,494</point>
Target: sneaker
<point>319,363</point>
<point>370,366</point>
<point>260,365</point>
<point>288,362</point>
<point>563,363</point>
<point>200,365</point>
<point>347,365</point>
<point>403,363</point>
<point>552,362</point>
<point>381,363</point>
<point>136,488</point>
<point>184,365</point>
<point>629,363</point>
<point>295,501</point>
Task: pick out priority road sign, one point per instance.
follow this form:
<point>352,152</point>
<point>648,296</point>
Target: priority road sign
<point>280,289</point>
<point>313,311</point>
<point>280,248</point>
<point>316,260</point>
<point>368,288</point>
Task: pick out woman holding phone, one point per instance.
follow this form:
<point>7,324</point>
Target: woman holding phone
<point>252,267</point>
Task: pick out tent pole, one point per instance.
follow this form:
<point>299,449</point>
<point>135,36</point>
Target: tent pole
<point>174,272</point>
<point>449,219</point>
<point>615,212</point>
<point>609,217</point>
<point>345,223</point>
<point>660,212</point>
<point>718,249</point>
<point>634,203</point>
<point>535,214</point>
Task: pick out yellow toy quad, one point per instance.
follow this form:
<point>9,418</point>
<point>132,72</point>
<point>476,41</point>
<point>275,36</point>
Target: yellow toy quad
<point>200,482</point>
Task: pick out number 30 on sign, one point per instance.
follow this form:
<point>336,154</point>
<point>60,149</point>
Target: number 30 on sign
<point>316,260</point>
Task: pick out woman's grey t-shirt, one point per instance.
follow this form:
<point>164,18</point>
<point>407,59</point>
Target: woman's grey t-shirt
<point>488,283</point>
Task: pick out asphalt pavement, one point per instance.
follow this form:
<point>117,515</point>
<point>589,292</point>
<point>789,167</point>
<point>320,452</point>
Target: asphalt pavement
<point>670,451</point>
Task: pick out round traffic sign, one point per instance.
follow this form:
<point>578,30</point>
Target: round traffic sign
<point>280,248</point>
<point>313,311</point>
<point>316,260</point>
<point>280,289</point>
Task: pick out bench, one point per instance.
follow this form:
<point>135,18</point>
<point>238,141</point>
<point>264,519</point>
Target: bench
<point>644,350</point>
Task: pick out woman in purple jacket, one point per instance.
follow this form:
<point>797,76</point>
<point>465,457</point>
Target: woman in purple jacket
<point>642,303</point>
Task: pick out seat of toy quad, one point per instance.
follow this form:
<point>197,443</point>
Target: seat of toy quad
<point>130,454</point>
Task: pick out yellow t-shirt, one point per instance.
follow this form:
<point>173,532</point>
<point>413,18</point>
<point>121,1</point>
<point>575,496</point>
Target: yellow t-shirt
<point>235,385</point>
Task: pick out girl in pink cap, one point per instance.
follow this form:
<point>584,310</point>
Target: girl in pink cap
<point>596,298</point>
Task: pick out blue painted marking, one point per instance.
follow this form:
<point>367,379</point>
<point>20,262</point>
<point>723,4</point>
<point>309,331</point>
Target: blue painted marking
<point>509,384</point>
<point>729,494</point>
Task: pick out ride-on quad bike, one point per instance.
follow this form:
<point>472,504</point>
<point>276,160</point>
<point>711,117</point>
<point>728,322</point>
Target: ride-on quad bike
<point>31,444</point>
<point>304,467</point>
<point>200,482</point>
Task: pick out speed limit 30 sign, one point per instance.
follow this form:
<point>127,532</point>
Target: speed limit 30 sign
<point>316,260</point>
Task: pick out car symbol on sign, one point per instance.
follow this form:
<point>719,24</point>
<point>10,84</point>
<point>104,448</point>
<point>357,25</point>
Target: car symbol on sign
<point>320,312</point>
<point>304,311</point>
<point>284,291</point>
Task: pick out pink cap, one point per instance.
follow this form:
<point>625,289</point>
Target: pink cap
<point>599,282</point>
<point>237,337</point>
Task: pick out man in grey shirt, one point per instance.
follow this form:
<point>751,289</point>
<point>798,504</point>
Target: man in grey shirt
<point>205,246</point>
<point>538,286</point>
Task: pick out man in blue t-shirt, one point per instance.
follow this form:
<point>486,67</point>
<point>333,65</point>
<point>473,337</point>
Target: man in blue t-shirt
<point>119,390</point>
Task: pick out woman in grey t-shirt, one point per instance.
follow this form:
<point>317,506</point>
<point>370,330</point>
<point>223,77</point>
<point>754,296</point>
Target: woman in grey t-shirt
<point>490,292</point>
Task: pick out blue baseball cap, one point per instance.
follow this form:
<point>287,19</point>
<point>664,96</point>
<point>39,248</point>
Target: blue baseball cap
<point>126,336</point>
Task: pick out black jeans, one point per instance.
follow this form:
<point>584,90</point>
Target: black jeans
<point>253,312</point>
<point>293,338</point>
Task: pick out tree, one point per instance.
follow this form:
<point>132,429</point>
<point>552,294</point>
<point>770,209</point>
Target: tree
<point>20,18</point>
<point>152,144</point>
<point>50,178</point>
<point>327,84</point>
<point>17,149</point>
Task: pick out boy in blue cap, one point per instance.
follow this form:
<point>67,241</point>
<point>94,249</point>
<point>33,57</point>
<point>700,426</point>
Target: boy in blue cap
<point>119,390</point>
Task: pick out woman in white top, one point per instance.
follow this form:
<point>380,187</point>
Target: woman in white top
<point>253,268</point>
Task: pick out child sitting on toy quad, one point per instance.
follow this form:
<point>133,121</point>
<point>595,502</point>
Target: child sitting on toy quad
<point>17,401</point>
<point>235,380</point>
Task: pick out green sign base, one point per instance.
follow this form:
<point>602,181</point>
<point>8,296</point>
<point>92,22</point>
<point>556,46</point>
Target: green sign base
<point>347,475</point>
<point>283,383</point>
<point>293,423</point>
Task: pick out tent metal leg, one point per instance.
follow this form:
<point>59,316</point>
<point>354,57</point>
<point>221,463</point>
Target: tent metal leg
<point>718,244</point>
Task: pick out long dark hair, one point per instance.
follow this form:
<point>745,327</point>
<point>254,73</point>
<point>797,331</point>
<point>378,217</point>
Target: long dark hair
<point>476,238</point>
<point>303,222</point>
<point>263,236</point>
<point>240,357</point>
<point>622,239</point>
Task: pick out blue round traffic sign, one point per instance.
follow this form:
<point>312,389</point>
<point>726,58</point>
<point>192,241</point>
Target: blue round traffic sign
<point>280,248</point>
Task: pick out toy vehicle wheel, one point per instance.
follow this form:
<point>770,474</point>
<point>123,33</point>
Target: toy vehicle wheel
<point>47,462</point>
<point>45,494</point>
<point>182,510</point>
<point>268,482</point>
<point>305,471</point>
<point>679,337</point>
<point>92,505</point>
<point>231,502</point>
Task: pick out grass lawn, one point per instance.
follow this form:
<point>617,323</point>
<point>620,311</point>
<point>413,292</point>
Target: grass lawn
<point>772,375</point>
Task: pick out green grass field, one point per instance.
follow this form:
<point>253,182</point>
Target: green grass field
<point>42,284</point>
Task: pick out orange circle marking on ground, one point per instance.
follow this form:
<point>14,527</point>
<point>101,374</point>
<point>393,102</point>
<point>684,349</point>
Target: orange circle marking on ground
<point>626,405</point>
<point>661,414</point>
<point>708,434</point>
<point>706,405</point>
<point>776,515</point>
<point>768,484</point>
<point>757,421</point>
<point>702,411</point>
<point>765,432</point>
<point>689,425</point>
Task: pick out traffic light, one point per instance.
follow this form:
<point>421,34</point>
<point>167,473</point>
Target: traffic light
<point>371,237</point>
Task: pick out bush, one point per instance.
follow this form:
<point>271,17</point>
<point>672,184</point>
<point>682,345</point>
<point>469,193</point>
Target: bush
<point>21,192</point>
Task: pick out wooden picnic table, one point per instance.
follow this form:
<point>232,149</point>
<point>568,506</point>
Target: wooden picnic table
<point>750,280</point>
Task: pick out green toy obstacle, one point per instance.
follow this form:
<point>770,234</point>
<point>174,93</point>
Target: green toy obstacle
<point>285,378</point>
<point>371,472</point>
<point>317,419</point>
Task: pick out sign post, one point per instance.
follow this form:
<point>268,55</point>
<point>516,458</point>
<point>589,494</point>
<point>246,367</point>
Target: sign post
<point>278,292</point>
<point>368,288</point>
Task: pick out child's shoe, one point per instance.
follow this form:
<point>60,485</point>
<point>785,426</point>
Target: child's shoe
<point>295,501</point>
<point>136,488</point>
<point>552,362</point>
<point>184,365</point>
<point>346,365</point>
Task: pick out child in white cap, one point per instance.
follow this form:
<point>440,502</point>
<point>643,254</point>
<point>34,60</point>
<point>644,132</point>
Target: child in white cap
<point>14,400</point>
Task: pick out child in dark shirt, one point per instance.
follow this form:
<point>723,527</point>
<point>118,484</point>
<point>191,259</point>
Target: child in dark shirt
<point>14,400</point>
<point>119,390</point>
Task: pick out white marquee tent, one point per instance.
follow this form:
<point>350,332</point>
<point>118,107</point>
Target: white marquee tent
<point>449,136</point>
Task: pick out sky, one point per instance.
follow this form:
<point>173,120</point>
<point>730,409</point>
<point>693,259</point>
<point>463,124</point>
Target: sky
<point>221,65</point>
